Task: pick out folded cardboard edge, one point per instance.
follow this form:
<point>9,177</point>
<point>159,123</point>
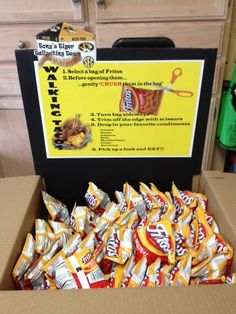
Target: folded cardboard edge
<point>193,299</point>
<point>22,206</point>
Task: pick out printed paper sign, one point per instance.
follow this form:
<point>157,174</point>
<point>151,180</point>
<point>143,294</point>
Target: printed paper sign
<point>120,108</point>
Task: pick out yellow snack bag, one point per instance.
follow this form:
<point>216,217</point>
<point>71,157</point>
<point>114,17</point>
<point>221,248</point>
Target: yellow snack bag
<point>61,231</point>
<point>97,200</point>
<point>152,274</point>
<point>186,196</point>
<point>159,239</point>
<point>134,200</point>
<point>119,246</point>
<point>56,209</point>
<point>34,276</point>
<point>183,241</point>
<point>180,274</point>
<point>85,271</point>
<point>127,271</point>
<point>78,218</point>
<point>138,273</point>
<point>122,204</point>
<point>109,216</point>
<point>68,249</point>
<point>149,197</point>
<point>24,261</point>
<point>211,268</point>
<point>166,205</point>
<point>207,249</point>
<point>43,236</point>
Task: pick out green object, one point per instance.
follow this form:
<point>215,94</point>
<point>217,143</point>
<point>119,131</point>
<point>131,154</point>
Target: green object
<point>226,128</point>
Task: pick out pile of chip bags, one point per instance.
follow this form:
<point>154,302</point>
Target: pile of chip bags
<point>143,239</point>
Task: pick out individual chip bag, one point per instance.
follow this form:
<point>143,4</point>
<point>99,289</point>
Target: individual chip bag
<point>127,271</point>
<point>202,199</point>
<point>25,260</point>
<point>68,249</point>
<point>165,271</point>
<point>159,239</point>
<point>78,219</point>
<point>149,197</point>
<point>187,197</point>
<point>122,204</point>
<point>211,222</point>
<point>134,200</point>
<point>183,241</point>
<point>209,269</point>
<point>108,217</point>
<point>56,209</point>
<point>152,276</point>
<point>183,213</point>
<point>96,199</point>
<point>43,236</point>
<point>138,273</point>
<point>180,274</point>
<point>140,100</point>
<point>206,244</point>
<point>34,277</point>
<point>207,249</point>
<point>80,272</point>
<point>167,208</point>
<point>61,231</point>
<point>119,246</point>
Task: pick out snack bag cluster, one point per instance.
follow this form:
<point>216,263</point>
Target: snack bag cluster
<point>144,239</point>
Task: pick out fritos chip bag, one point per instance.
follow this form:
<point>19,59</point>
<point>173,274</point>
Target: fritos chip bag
<point>24,261</point>
<point>78,218</point>
<point>43,235</point>
<point>97,200</point>
<point>140,100</point>
<point>56,209</point>
<point>159,239</point>
<point>84,270</point>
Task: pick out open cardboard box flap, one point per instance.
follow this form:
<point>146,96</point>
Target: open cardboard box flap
<point>20,205</point>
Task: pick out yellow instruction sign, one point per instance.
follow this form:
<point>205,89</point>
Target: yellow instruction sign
<point>120,108</point>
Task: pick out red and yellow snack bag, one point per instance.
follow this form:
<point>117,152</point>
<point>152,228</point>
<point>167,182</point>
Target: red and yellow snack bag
<point>127,271</point>
<point>202,199</point>
<point>180,274</point>
<point>24,261</point>
<point>119,246</point>
<point>211,222</point>
<point>61,231</point>
<point>159,239</point>
<point>207,249</point>
<point>152,276</point>
<point>186,196</point>
<point>211,268</point>
<point>122,204</point>
<point>56,209</point>
<point>134,200</point>
<point>140,100</point>
<point>34,277</point>
<point>167,208</point>
<point>149,197</point>
<point>183,241</point>
<point>43,236</point>
<point>138,273</point>
<point>78,219</point>
<point>68,249</point>
<point>97,200</point>
<point>108,216</point>
<point>85,271</point>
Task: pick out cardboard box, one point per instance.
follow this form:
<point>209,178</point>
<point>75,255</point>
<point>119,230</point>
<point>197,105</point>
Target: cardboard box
<point>21,204</point>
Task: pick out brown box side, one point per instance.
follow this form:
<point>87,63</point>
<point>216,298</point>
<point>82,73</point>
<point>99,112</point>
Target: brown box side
<point>220,189</point>
<point>20,199</point>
